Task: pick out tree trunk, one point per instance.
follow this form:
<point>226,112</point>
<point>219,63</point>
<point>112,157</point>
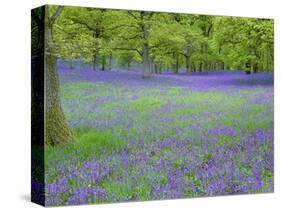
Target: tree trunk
<point>194,67</point>
<point>128,65</point>
<point>151,66</point>
<point>155,68</point>
<point>110,61</point>
<point>176,68</point>
<point>145,62</point>
<point>252,68</point>
<point>103,63</point>
<point>145,52</point>
<point>57,130</point>
<point>96,59</point>
<point>188,64</point>
<point>71,64</point>
<point>200,67</point>
<point>160,69</point>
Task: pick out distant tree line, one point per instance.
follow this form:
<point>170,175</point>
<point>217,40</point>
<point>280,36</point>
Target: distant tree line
<point>164,41</point>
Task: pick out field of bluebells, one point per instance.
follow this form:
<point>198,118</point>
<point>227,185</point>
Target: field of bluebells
<point>170,136</point>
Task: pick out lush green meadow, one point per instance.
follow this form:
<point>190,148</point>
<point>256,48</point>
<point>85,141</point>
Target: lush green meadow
<point>142,105</point>
<point>162,138</point>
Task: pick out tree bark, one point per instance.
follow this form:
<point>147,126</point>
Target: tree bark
<point>57,130</point>
<point>252,67</point>
<point>96,59</point>
<point>190,64</point>
<point>103,63</point>
<point>176,71</point>
<point>200,67</point>
<point>155,68</point>
<point>128,65</point>
<point>145,62</point>
<point>145,52</point>
<point>110,62</point>
<point>71,64</point>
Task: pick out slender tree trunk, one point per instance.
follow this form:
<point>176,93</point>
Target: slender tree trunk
<point>145,52</point>
<point>195,67</point>
<point>57,130</point>
<point>145,62</point>
<point>110,61</point>
<point>176,70</point>
<point>151,66</point>
<point>103,63</point>
<point>71,63</point>
<point>96,56</point>
<point>96,59</point>
<point>200,67</point>
<point>128,65</point>
<point>271,53</point>
<point>155,68</point>
<point>188,64</point>
<point>252,67</point>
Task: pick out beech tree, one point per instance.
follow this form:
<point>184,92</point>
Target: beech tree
<point>57,130</point>
<point>159,42</point>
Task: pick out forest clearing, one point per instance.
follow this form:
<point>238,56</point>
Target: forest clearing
<point>142,105</point>
<point>162,138</point>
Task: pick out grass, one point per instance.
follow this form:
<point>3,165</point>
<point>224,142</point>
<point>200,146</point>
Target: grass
<point>95,142</point>
<point>110,118</point>
<point>87,143</point>
<point>146,103</point>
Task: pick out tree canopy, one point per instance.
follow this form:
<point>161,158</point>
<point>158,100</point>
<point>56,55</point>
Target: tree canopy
<point>164,41</point>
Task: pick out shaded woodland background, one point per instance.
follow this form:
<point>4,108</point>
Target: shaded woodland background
<point>155,42</point>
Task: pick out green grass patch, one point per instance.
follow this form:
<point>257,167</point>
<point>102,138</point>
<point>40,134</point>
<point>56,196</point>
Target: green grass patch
<point>146,103</point>
<point>88,143</point>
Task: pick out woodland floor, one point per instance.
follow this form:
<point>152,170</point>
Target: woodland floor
<point>169,136</point>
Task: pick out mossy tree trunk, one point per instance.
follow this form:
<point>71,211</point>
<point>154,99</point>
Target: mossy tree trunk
<point>57,130</point>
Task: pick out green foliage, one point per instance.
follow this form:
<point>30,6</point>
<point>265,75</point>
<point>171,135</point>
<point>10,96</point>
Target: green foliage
<point>148,103</point>
<point>87,143</point>
<point>246,40</point>
<point>99,143</point>
<point>195,42</point>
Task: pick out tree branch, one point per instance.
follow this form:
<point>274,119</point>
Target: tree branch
<point>183,54</point>
<point>160,45</point>
<point>77,21</point>
<point>130,38</point>
<point>132,14</point>
<point>56,14</point>
<point>122,25</point>
<point>128,49</point>
<point>64,31</point>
